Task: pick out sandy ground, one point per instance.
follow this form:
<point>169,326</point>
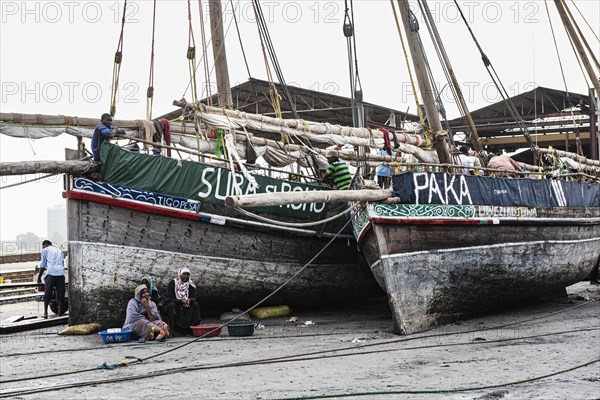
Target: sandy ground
<point>545,337</point>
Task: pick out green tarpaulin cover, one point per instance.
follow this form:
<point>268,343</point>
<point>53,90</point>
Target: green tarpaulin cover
<point>197,181</point>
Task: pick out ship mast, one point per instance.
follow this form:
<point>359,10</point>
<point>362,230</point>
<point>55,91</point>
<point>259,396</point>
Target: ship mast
<point>577,43</point>
<point>440,142</point>
<point>219,54</point>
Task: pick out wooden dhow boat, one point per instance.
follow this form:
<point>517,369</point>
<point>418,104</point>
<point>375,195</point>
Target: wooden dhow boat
<point>151,215</point>
<point>442,245</point>
<point>461,245</point>
<point>445,245</point>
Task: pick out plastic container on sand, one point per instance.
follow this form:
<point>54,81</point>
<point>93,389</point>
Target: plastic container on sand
<point>116,337</point>
<point>239,328</point>
<point>201,330</point>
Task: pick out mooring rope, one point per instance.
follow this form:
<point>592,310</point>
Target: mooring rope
<point>292,358</point>
<point>280,359</point>
<point>27,181</point>
<point>436,391</point>
<point>294,224</point>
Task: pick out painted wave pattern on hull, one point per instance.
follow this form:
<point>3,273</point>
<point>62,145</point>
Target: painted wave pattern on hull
<point>431,211</point>
<point>359,223</point>
<point>159,199</point>
<point>421,210</point>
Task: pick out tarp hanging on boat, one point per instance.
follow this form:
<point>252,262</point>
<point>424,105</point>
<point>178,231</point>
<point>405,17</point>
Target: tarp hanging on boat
<point>441,188</point>
<point>197,181</point>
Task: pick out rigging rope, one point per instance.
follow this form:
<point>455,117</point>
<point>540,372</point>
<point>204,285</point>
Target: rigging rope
<point>150,90</point>
<point>501,89</point>
<point>293,224</point>
<point>438,97</point>
<point>412,81</point>
<point>576,42</point>
<point>586,21</point>
<point>117,66</point>
<point>273,55</point>
<point>585,42</point>
<point>189,84</point>
<point>451,78</point>
<point>296,356</point>
<point>191,55</point>
<point>273,95</point>
<point>28,181</point>
<point>237,28</point>
<point>263,33</point>
<point>575,126</point>
<point>348,28</point>
<point>204,56</point>
<point>578,58</point>
<point>356,94</point>
<point>433,391</point>
<point>266,297</point>
<point>357,83</point>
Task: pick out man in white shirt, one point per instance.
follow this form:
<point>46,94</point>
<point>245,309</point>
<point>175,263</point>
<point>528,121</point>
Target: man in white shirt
<point>53,261</point>
<point>470,162</point>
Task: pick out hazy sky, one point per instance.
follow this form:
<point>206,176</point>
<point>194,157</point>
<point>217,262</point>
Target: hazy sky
<point>57,58</point>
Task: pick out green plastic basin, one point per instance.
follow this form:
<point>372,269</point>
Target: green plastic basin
<point>241,328</point>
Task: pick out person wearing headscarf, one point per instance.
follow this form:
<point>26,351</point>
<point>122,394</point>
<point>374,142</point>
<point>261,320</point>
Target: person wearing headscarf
<point>181,307</point>
<point>154,296</point>
<point>143,317</point>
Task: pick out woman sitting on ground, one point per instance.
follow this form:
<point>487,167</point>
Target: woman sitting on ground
<point>143,317</point>
<point>181,309</point>
<point>154,296</point>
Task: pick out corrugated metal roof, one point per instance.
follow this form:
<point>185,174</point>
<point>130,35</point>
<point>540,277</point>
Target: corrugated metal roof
<point>311,105</point>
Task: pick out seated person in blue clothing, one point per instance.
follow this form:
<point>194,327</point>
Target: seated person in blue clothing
<point>102,132</point>
<point>143,318</point>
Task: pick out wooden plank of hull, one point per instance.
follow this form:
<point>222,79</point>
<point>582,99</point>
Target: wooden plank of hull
<point>101,223</point>
<point>435,274</point>
<point>111,248</point>
<point>401,239</point>
<point>431,288</point>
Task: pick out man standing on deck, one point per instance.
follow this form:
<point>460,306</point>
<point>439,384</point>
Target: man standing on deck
<point>338,172</point>
<point>53,262</point>
<point>102,132</point>
<point>503,165</point>
<point>383,171</point>
<point>471,163</point>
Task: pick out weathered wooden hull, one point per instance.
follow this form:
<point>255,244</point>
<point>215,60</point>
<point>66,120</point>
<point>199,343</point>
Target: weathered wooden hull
<point>113,243</point>
<point>441,266</point>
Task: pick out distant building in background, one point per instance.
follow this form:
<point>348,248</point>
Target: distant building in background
<point>57,223</point>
